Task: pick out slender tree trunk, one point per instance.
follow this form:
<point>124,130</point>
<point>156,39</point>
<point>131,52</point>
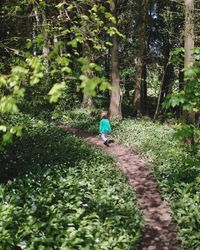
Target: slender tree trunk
<point>181,86</point>
<point>46,41</point>
<point>137,101</point>
<point>165,87</point>
<point>189,32</point>
<point>138,87</point>
<point>189,116</point>
<point>36,22</point>
<point>144,89</point>
<point>87,102</point>
<point>115,98</point>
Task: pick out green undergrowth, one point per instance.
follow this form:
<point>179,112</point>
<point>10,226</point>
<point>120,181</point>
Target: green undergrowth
<point>80,118</point>
<point>177,173</point>
<point>57,192</point>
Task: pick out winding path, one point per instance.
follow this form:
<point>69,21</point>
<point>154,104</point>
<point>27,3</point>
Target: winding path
<point>159,232</point>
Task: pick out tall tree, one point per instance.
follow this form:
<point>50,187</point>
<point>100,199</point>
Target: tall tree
<point>115,98</point>
<point>87,102</point>
<point>140,59</point>
<point>189,116</point>
<point>169,22</point>
<point>167,79</point>
<point>87,53</point>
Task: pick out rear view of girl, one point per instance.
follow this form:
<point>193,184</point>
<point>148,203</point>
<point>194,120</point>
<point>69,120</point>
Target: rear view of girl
<point>105,128</point>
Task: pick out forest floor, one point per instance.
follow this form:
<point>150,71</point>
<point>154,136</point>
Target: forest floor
<point>159,232</point>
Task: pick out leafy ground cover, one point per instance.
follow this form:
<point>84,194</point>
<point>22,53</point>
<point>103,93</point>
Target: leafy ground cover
<point>56,192</point>
<point>177,173</point>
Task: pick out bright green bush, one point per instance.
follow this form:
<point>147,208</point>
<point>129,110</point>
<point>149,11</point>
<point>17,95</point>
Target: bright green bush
<point>59,193</point>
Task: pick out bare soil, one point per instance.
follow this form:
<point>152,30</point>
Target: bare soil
<point>159,231</point>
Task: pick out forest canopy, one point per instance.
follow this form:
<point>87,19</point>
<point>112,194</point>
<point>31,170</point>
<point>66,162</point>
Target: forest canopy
<point>58,48</point>
<point>132,58</point>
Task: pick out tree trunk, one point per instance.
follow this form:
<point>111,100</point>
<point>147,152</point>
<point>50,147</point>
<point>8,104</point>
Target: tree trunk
<point>189,32</point>
<point>115,98</point>
<point>144,89</point>
<point>189,116</point>
<point>88,54</point>
<point>45,32</point>
<point>36,23</point>
<point>165,87</point>
<point>137,101</point>
<point>87,102</point>
<point>181,86</point>
<point>138,86</point>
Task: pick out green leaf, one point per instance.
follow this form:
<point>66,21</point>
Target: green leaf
<point>3,128</point>
<point>66,69</point>
<point>34,80</point>
<point>2,80</point>
<point>56,91</point>
<point>8,105</point>
<point>7,138</point>
<point>19,70</point>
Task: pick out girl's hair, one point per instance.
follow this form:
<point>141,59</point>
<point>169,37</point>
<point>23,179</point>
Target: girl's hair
<point>104,114</point>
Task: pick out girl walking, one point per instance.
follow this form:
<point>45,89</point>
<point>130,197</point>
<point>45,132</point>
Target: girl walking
<point>105,128</point>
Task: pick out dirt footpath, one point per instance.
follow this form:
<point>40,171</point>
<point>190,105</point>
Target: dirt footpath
<point>159,233</point>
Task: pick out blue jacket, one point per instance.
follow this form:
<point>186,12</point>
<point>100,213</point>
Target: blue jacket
<point>105,126</point>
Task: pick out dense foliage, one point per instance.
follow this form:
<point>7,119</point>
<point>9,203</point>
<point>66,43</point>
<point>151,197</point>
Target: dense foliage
<point>54,60</point>
<point>59,193</point>
<point>73,41</point>
<point>65,47</point>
